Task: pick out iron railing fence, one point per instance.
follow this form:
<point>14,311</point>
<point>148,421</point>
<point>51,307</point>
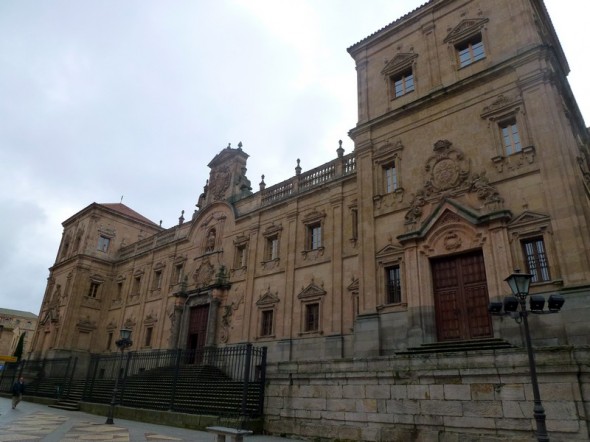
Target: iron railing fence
<point>43,377</point>
<point>221,381</point>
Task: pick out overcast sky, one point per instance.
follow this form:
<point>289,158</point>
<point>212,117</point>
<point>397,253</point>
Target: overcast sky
<point>103,99</point>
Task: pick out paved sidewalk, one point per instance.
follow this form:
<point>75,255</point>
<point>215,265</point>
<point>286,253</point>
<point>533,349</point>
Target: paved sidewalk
<point>36,422</point>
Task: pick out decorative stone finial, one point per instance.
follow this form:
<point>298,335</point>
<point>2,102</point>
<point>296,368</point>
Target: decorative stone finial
<point>340,150</point>
<point>181,219</point>
<point>298,168</point>
<point>240,145</point>
<point>262,183</point>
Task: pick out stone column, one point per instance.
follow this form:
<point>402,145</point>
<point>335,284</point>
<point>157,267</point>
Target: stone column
<point>212,320</point>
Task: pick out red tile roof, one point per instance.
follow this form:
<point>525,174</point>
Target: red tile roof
<point>124,210</point>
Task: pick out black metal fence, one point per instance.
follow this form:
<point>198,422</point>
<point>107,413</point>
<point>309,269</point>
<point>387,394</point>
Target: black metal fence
<point>44,377</point>
<point>219,381</point>
<point>227,381</point>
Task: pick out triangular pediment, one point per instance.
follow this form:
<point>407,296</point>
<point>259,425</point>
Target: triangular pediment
<point>354,286</point>
<point>398,63</point>
<point>267,298</point>
<point>389,250</point>
<point>527,217</point>
<point>465,29</point>
<point>311,291</point>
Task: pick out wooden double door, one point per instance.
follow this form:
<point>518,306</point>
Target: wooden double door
<point>197,333</point>
<point>461,297</point>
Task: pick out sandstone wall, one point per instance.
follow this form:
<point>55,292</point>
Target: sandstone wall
<point>434,397</point>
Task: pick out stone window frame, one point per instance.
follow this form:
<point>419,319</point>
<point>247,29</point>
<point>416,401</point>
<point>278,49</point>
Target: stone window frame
<point>399,67</point>
<point>158,276</point>
<point>120,288</point>
<point>529,226</point>
<point>469,45</point>
<point>110,334</point>
<point>311,295</point>
<point>354,223</point>
<point>354,290</point>
<point>385,157</point>
<point>94,288</point>
<point>388,257</point>
<point>388,270</point>
<point>65,248</point>
<point>312,221</point>
<point>240,260</point>
<point>502,111</point>
<point>178,270</point>
<point>137,283</point>
<point>539,269</point>
<point>264,315</point>
<point>103,243</point>
<point>271,234</point>
<point>105,237</point>
<point>465,32</point>
<point>268,302</point>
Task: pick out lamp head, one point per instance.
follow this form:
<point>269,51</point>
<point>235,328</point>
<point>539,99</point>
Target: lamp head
<point>555,303</point>
<point>519,283</point>
<point>125,333</point>
<point>510,304</point>
<point>495,308</point>
<point>537,303</point>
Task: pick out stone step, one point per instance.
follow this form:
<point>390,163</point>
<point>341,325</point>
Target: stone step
<point>66,405</point>
<point>458,346</point>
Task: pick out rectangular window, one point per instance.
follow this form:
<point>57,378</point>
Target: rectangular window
<point>314,236</point>
<point>267,323</point>
<point>536,259</point>
<point>109,340</point>
<point>470,51</point>
<point>355,223</point>
<point>312,317</point>
<point>103,243</point>
<point>93,291</point>
<point>272,248</point>
<point>393,285</point>
<point>510,137</point>
<point>391,183</point>
<point>148,336</point>
<point>119,290</point>
<point>403,83</point>
<point>240,256</point>
<point>178,273</point>
<point>157,280</point>
<point>136,285</point>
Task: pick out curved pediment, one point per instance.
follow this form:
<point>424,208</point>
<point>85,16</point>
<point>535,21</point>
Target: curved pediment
<point>450,211</point>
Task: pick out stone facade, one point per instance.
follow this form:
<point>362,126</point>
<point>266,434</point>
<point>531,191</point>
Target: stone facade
<point>13,325</point>
<point>470,160</point>
<point>483,396</point>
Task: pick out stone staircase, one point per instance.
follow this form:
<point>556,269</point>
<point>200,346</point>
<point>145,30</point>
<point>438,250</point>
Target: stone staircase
<point>457,346</point>
<point>198,390</point>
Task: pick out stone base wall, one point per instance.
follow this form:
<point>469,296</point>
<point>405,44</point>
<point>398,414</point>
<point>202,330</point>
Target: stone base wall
<point>435,397</point>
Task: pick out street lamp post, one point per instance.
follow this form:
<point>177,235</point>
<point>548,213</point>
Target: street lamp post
<point>122,344</point>
<point>519,284</point>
